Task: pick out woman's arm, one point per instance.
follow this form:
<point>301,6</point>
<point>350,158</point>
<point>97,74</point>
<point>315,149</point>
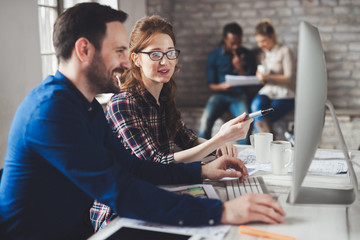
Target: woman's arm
<point>273,78</point>
<point>232,130</point>
<point>131,126</point>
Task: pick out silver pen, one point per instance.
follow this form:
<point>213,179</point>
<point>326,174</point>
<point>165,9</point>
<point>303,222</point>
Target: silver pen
<point>258,113</point>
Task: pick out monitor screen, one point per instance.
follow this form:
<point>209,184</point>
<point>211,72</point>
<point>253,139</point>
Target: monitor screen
<point>311,95</point>
<point>310,102</point>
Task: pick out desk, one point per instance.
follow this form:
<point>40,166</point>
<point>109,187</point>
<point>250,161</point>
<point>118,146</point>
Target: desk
<point>309,222</point>
<point>305,222</point>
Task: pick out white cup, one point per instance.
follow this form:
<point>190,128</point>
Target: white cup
<point>261,69</point>
<point>261,143</point>
<point>281,156</point>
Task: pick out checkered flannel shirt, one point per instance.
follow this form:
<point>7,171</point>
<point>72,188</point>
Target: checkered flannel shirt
<point>139,122</point>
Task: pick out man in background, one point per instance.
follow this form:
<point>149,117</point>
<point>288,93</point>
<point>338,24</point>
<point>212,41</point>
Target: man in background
<point>233,59</point>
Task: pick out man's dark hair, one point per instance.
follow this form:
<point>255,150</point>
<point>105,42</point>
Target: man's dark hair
<point>233,28</point>
<point>83,20</point>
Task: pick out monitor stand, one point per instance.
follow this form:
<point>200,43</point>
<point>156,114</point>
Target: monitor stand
<point>309,195</point>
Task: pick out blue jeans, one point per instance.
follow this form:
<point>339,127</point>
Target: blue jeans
<point>216,106</point>
<point>281,108</point>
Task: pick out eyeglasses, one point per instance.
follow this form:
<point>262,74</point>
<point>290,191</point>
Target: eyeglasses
<point>157,55</point>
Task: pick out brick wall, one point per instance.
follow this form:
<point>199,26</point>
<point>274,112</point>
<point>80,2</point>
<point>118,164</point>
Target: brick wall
<point>349,123</point>
<point>198,26</point>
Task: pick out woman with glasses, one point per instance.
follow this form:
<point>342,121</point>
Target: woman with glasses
<point>144,116</point>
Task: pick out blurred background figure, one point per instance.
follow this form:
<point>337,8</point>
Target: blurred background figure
<point>276,72</point>
<point>229,58</point>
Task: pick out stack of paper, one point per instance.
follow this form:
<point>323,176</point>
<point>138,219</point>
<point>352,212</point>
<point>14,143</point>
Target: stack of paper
<point>236,80</point>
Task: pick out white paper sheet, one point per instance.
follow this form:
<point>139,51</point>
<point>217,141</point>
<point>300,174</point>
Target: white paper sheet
<point>325,162</point>
<point>236,80</point>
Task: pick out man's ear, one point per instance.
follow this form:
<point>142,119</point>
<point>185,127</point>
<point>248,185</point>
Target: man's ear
<point>84,49</point>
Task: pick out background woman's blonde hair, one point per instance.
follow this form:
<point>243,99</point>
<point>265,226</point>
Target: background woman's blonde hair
<point>266,28</point>
<point>143,32</point>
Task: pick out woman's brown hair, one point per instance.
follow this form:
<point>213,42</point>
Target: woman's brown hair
<point>266,28</point>
<point>131,80</point>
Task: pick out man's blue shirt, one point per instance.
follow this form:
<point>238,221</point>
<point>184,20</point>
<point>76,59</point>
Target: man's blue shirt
<point>219,64</point>
<point>62,155</point>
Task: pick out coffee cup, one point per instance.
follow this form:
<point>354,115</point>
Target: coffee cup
<point>281,156</point>
<point>261,144</point>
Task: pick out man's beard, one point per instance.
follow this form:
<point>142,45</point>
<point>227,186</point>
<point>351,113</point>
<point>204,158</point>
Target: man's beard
<point>101,81</point>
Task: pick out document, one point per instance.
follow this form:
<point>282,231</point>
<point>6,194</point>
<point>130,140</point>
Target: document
<point>325,162</point>
<point>236,80</point>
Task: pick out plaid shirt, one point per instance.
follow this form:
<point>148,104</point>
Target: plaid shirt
<point>139,122</point>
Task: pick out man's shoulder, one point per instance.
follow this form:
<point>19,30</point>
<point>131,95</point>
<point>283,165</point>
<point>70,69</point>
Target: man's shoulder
<point>52,87</point>
<point>53,98</point>
<point>216,51</point>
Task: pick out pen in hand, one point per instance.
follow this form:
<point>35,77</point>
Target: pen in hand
<point>258,113</point>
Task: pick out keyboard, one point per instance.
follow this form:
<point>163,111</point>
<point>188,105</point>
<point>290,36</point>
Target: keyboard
<point>235,188</point>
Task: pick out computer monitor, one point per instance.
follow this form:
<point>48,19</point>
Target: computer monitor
<point>310,103</point>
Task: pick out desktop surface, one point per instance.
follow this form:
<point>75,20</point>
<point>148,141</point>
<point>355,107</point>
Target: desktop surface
<point>304,221</point>
<point>308,221</point>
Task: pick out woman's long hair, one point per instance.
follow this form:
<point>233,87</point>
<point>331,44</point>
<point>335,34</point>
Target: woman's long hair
<point>131,80</point>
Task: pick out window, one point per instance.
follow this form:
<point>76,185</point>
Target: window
<point>48,12</point>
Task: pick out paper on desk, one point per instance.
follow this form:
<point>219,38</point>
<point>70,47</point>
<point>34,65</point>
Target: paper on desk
<point>249,159</point>
<point>236,80</point>
<point>207,232</point>
<point>328,162</point>
<point>325,162</point>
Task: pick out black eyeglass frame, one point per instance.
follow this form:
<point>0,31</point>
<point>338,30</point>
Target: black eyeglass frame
<point>177,53</point>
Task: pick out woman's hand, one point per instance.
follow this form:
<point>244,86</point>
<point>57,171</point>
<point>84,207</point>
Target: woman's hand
<point>235,129</point>
<point>261,77</point>
<point>227,149</point>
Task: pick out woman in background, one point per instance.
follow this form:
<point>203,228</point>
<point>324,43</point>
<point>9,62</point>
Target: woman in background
<point>144,116</point>
<point>276,71</point>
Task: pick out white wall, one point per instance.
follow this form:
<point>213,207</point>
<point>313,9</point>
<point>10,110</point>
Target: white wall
<point>20,61</point>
